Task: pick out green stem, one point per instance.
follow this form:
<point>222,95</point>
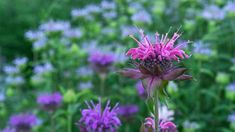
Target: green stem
<point>102,81</point>
<point>52,122</point>
<point>156,110</point>
<point>69,123</point>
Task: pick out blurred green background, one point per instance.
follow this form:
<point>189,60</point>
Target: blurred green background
<point>207,103</point>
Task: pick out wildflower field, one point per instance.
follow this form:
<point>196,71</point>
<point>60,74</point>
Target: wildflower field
<point>117,66</point>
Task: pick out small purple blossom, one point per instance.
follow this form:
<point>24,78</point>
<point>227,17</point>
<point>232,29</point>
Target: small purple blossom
<point>84,71</point>
<point>101,61</point>
<point>73,33</point>
<point>20,61</point>
<point>110,14</point>
<point>34,35</point>
<point>85,85</point>
<point>8,129</point>
<point>79,13</point>
<point>50,102</point>
<point>128,30</point>
<point>9,69</point>
<point>213,12</point>
<point>127,111</point>
<point>231,117</point>
<point>141,16</point>
<point>2,96</point>
<point>55,26</point>
<point>40,69</point>
<point>94,119</point>
<point>231,87</point>
<point>15,80</point>
<point>101,58</point>
<point>23,122</point>
<point>40,43</point>
<point>229,7</point>
<point>202,48</point>
<point>108,5</point>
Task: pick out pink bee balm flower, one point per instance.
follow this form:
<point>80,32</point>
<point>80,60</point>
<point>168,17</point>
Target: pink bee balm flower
<point>162,49</point>
<point>164,126</point>
<point>155,61</point>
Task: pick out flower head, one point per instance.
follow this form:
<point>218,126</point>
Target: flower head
<point>101,61</point>
<point>94,119</point>
<point>50,102</point>
<point>23,122</point>
<point>155,61</point>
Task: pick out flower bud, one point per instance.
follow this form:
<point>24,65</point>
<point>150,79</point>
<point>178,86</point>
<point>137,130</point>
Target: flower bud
<point>222,78</point>
<point>70,96</point>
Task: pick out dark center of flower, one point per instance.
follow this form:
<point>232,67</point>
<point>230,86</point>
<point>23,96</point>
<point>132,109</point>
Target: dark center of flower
<point>156,66</point>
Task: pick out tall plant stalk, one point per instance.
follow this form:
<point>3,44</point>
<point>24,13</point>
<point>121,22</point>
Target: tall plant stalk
<point>156,112</point>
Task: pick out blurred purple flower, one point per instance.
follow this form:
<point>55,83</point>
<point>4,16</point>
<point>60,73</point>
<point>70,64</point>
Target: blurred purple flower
<point>106,4</point>
<point>23,122</point>
<point>128,30</point>
<point>141,16</point>
<point>140,90</point>
<point>15,80</point>
<point>40,43</point>
<point>20,61</point>
<point>231,87</point>
<point>50,102</point>
<point>127,111</point>
<point>110,14</point>
<point>40,69</point>
<point>8,69</point>
<point>229,7</point>
<point>101,61</point>
<point>202,48</point>
<point>213,12</point>
<point>108,31</point>
<point>79,13</point>
<point>92,8</point>
<point>231,117</point>
<point>84,71</point>
<point>191,125</point>
<point>55,26</point>
<point>233,61</point>
<point>2,96</point>
<point>34,35</point>
<point>94,119</point>
<point>73,33</point>
<point>9,129</point>
<point>85,85</point>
